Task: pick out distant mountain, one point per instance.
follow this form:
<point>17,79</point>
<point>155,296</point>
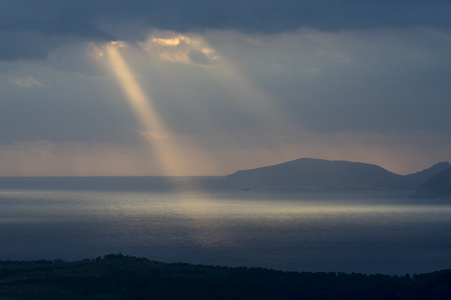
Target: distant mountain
<point>417,179</point>
<point>325,174</point>
<point>438,186</point>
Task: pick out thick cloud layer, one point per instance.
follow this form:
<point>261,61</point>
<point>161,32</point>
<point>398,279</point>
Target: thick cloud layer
<point>238,84</point>
<point>29,29</point>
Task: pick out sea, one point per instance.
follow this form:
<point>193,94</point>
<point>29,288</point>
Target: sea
<point>198,220</point>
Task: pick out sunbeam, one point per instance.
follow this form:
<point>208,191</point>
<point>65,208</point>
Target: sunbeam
<point>169,156</point>
<point>177,155</point>
<point>266,122</point>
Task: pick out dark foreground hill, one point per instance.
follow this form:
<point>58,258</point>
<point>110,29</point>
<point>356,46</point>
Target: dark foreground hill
<point>124,277</point>
<point>438,186</point>
<point>343,175</point>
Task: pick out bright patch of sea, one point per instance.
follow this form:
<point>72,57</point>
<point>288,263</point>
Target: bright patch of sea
<point>195,222</point>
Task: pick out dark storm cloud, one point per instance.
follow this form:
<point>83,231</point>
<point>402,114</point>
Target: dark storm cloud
<point>29,29</point>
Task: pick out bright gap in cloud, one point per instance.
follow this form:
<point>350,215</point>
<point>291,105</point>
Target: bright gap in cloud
<point>174,47</point>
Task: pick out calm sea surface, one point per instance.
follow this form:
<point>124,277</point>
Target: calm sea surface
<point>194,222</point>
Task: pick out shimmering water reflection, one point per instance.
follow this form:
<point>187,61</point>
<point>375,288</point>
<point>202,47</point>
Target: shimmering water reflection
<point>300,231</point>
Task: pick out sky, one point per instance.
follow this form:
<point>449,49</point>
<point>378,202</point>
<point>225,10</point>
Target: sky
<point>125,88</point>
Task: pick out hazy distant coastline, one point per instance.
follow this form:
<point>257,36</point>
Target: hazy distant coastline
<point>333,175</point>
<point>438,186</point>
<point>304,173</point>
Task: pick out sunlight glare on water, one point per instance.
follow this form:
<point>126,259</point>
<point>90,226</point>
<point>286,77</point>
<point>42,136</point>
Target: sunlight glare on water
<point>289,231</point>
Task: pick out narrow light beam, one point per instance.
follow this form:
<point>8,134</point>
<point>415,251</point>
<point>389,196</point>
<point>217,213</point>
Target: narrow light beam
<point>154,130</point>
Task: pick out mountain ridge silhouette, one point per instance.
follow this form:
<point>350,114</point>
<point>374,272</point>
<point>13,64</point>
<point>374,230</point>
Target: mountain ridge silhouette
<point>337,174</point>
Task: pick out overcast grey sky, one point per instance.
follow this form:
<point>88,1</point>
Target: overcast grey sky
<point>228,85</point>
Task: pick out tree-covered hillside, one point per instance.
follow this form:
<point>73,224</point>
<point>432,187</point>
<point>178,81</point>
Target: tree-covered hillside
<point>124,277</point>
